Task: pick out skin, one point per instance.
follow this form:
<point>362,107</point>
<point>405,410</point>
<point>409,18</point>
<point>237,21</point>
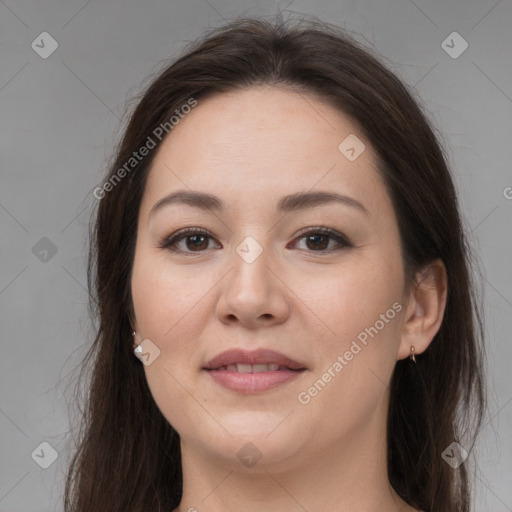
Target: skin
<point>250,148</point>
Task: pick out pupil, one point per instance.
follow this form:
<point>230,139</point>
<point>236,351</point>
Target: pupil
<point>196,240</point>
<point>316,240</point>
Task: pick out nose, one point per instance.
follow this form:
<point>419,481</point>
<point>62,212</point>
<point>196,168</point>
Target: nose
<point>253,294</point>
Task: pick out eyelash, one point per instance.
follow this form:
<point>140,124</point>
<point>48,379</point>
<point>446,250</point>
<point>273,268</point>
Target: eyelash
<point>169,242</point>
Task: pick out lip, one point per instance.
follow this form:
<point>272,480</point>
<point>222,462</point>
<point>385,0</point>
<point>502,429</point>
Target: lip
<point>259,356</point>
<point>253,382</point>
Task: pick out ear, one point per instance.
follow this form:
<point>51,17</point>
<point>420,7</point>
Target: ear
<point>135,341</point>
<point>425,309</point>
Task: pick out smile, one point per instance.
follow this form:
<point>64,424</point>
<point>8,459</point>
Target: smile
<point>253,371</point>
<point>253,368</point>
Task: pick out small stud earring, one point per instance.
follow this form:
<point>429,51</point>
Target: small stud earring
<point>412,357</point>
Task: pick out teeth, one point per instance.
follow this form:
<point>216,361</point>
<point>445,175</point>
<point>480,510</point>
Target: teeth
<point>244,368</point>
<point>257,368</point>
<point>251,368</point>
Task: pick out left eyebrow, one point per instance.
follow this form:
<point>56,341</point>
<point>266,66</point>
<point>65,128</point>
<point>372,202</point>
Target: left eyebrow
<point>286,204</point>
<point>305,200</point>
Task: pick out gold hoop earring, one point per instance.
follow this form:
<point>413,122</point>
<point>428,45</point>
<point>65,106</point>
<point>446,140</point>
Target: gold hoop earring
<point>412,357</point>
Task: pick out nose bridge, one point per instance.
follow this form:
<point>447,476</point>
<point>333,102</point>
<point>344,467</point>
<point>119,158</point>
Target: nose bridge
<point>251,267</point>
<point>251,291</point>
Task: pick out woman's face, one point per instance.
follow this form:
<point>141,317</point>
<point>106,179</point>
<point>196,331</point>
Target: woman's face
<point>263,277</point>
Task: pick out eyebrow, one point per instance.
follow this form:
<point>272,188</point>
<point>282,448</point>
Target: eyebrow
<point>286,204</point>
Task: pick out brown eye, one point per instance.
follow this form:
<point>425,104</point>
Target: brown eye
<point>318,239</point>
<point>195,240</point>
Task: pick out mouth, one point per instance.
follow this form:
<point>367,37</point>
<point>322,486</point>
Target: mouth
<point>253,371</point>
<point>254,368</point>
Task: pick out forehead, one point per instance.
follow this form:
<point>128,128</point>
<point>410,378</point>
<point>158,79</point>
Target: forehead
<point>252,144</point>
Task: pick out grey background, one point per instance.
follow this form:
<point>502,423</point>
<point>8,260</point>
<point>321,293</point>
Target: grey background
<point>61,117</point>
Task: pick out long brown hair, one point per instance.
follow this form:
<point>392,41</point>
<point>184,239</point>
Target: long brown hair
<point>127,457</point>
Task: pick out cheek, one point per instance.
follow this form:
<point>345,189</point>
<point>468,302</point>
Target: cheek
<point>165,297</point>
<point>354,298</point>
<point>362,307</point>
<point>362,310</point>
<point>166,303</point>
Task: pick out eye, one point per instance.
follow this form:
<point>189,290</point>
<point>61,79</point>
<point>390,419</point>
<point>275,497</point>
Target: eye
<point>317,239</point>
<point>195,240</point>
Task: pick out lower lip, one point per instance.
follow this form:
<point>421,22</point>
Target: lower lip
<point>253,382</point>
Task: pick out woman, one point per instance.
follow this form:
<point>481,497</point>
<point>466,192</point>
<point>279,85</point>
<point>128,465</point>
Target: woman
<point>278,242</point>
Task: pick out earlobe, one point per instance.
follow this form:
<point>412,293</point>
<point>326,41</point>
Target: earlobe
<point>425,310</point>
<point>133,323</point>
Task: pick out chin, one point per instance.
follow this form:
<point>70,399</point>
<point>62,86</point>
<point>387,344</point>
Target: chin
<point>254,443</point>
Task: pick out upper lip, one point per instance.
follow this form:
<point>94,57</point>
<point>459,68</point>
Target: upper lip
<point>259,356</point>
